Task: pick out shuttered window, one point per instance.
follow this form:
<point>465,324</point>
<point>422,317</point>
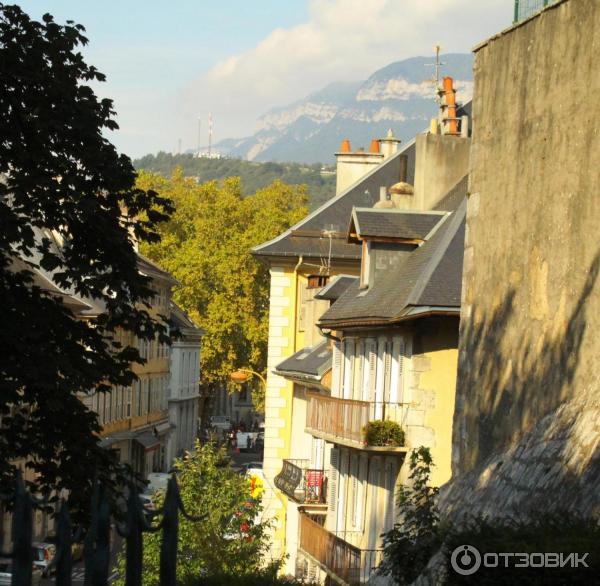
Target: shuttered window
<point>348,368</point>
<point>355,504</point>
<point>332,488</point>
<point>372,370</point>
<point>380,379</point>
<point>359,357</point>
<point>390,482</point>
<point>337,362</point>
<point>363,471</point>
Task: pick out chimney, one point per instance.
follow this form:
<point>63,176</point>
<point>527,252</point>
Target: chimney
<point>389,144</point>
<point>353,166</point>
<point>448,107</point>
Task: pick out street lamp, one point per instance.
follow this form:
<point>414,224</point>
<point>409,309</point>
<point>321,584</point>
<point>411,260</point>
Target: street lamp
<point>241,375</point>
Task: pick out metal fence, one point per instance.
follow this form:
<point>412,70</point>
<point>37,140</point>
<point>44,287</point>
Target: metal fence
<point>97,537</point>
<point>526,8</point>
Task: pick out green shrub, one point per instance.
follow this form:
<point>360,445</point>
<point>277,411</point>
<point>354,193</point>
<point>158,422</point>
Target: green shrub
<point>383,433</point>
<point>418,533</point>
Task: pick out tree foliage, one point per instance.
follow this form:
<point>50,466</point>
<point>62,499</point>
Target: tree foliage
<point>254,175</point>
<point>229,540</point>
<point>206,246</point>
<point>410,544</point>
<point>63,192</point>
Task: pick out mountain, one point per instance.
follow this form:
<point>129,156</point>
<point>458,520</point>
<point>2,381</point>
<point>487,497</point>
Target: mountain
<point>399,96</point>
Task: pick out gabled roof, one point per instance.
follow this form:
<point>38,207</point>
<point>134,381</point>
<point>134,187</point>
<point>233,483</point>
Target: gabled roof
<point>374,224</point>
<point>428,278</point>
<point>334,289</point>
<point>325,227</point>
<point>181,321</point>
<point>311,363</point>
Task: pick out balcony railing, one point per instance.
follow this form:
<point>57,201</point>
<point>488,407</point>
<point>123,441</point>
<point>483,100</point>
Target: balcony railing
<point>335,555</point>
<point>301,483</point>
<point>344,419</point>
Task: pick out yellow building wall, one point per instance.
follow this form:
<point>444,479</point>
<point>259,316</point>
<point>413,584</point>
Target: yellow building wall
<point>278,398</point>
<point>436,369</point>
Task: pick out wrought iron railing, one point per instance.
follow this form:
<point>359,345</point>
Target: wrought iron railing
<point>331,417</point>
<point>97,537</point>
<point>301,482</point>
<point>526,8</point>
<point>335,555</point>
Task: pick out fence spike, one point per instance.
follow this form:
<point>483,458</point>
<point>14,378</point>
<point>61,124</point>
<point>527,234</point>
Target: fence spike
<point>135,540</point>
<point>97,542</point>
<point>64,562</point>
<point>170,523</point>
<point>22,534</point>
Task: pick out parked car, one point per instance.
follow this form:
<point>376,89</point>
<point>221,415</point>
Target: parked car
<point>246,440</point>
<point>43,554</point>
<point>6,573</point>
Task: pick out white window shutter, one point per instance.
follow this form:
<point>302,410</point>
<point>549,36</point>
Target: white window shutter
<point>358,370</point>
<point>354,477</point>
<point>387,368</point>
<point>380,378</point>
<point>362,491</point>
<point>395,370</point>
<point>390,482</point>
<point>336,375</point>
<point>342,491</point>
<point>401,376</point>
<point>372,369</point>
<point>348,369</point>
<point>332,488</point>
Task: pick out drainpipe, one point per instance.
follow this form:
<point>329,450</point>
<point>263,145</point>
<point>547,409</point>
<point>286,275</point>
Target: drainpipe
<point>298,264</point>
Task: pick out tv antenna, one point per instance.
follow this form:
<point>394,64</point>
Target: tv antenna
<point>435,78</point>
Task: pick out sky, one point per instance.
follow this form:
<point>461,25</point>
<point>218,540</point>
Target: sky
<point>170,64</point>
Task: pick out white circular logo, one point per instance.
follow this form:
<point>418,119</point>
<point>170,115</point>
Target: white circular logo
<point>465,560</point>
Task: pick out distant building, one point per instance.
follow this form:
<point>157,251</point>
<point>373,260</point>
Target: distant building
<point>184,383</point>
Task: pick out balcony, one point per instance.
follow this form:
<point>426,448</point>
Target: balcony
<point>341,421</point>
<point>346,563</point>
<point>302,484</point>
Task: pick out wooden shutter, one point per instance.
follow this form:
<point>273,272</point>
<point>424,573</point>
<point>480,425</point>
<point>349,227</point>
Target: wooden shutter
<point>401,376</point>
<point>380,378</point>
<point>358,370</point>
<point>395,370</point>
<point>355,506</point>
<point>389,482</point>
<point>387,369</point>
<point>342,491</point>
<point>332,488</point>
<point>363,472</point>
<point>348,369</point>
<point>336,375</point>
<point>372,370</point>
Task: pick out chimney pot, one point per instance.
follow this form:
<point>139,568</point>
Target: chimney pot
<point>374,146</point>
<point>345,147</point>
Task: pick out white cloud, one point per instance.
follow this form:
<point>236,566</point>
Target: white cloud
<point>343,40</point>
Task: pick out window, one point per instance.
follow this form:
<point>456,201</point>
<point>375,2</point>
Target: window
<point>365,265</point>
<point>316,281</point>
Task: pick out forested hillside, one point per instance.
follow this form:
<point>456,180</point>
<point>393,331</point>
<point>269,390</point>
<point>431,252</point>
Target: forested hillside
<point>254,176</point>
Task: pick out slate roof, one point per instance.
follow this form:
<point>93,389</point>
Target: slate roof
<point>311,362</point>
<point>334,289</point>
<point>391,223</point>
<point>307,237</point>
<point>429,277</point>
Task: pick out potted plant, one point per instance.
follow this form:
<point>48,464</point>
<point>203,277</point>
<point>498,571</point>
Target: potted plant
<point>383,433</point>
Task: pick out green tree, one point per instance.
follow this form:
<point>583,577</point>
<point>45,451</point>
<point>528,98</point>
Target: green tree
<point>206,246</point>
<point>63,192</point>
<point>229,540</point>
<point>417,535</point>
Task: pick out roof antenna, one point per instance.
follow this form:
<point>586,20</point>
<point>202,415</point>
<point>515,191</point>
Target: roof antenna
<point>435,78</point>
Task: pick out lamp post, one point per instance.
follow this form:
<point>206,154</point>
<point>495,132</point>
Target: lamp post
<point>241,375</point>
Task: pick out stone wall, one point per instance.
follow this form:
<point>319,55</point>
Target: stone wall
<point>531,298</point>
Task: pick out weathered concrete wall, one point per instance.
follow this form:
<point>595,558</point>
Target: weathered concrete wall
<point>441,162</point>
<point>531,298</point>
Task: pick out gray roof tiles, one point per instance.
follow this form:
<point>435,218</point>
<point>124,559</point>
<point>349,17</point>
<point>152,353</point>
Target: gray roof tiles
<point>386,223</point>
<point>312,362</point>
<point>430,275</point>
